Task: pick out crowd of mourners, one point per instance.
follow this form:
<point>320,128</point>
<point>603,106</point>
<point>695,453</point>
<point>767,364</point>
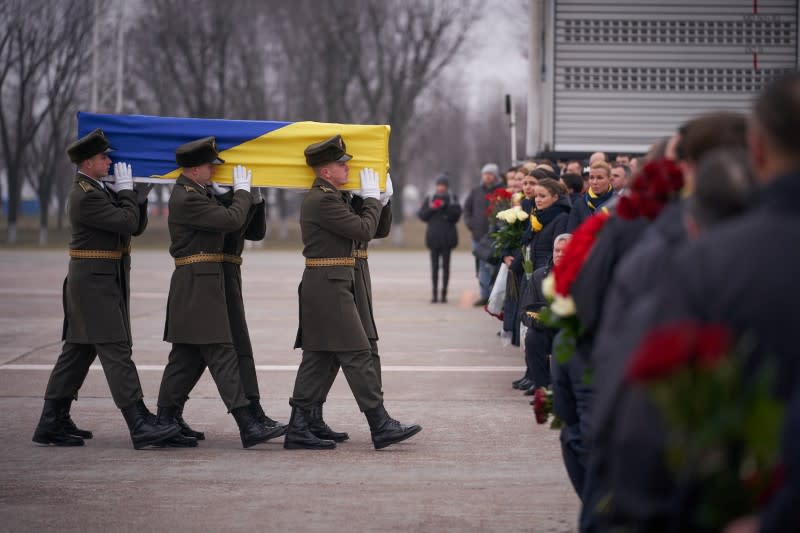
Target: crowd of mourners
<point>653,299</point>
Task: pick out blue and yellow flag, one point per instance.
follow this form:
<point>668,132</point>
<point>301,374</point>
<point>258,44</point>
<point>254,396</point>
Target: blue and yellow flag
<point>272,150</point>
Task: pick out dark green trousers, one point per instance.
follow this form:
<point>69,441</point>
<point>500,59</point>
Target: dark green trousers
<point>187,363</point>
<point>318,370</point>
<point>73,364</point>
<point>334,370</point>
<point>247,373</point>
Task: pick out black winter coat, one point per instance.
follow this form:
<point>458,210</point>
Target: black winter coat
<point>581,211</point>
<point>541,242</point>
<point>441,232</point>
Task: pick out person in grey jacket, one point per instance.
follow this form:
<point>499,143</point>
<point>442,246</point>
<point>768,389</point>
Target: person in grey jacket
<point>477,222</point>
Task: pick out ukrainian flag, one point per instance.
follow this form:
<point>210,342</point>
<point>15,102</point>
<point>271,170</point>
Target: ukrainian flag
<point>272,150</point>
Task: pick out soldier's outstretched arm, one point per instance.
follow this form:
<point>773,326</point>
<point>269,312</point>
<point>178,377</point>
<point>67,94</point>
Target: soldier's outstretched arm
<point>337,217</point>
<point>97,211</point>
<point>202,214</point>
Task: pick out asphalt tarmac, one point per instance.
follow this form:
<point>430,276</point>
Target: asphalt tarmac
<point>481,462</point>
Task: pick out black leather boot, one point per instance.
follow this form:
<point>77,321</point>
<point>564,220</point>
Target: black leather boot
<point>435,297</point>
<point>50,429</point>
<point>321,430</point>
<point>143,431</point>
<point>261,416</point>
<point>444,296</point>
<point>299,436</point>
<point>187,431</point>
<point>69,425</point>
<point>165,417</point>
<point>386,430</point>
<point>251,430</point>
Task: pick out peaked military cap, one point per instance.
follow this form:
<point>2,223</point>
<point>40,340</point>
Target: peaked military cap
<point>87,146</point>
<point>199,152</point>
<point>327,151</point>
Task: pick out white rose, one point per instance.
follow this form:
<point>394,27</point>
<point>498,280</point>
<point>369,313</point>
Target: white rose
<point>549,287</point>
<point>563,306</point>
<point>507,216</point>
<point>522,215</point>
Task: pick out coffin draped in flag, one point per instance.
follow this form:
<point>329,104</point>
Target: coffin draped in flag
<point>273,151</point>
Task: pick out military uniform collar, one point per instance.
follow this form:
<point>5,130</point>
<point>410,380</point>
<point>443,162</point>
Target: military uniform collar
<point>93,182</point>
<point>324,185</point>
<point>191,184</point>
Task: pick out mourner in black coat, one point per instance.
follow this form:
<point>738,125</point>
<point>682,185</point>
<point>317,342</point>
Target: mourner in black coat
<point>596,198</point>
<point>742,275</point>
<point>440,212</point>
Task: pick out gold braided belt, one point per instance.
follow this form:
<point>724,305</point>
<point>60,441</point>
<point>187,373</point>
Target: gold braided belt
<point>199,258</point>
<point>315,262</point>
<point>230,258</point>
<point>126,250</point>
<point>114,255</point>
<point>360,254</point>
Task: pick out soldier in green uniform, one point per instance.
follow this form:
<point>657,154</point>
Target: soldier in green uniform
<point>95,298</point>
<point>331,330</point>
<point>363,293</point>
<point>197,324</point>
<point>254,229</point>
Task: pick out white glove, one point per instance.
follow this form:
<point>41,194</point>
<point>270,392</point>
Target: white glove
<point>242,178</point>
<point>369,184</point>
<point>218,189</point>
<point>386,196</point>
<point>257,196</point>
<point>123,178</point>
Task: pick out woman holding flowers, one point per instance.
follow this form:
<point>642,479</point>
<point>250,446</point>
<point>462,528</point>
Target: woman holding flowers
<point>440,211</point>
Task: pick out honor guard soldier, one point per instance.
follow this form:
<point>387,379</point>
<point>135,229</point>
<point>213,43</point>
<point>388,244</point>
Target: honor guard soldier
<point>254,229</point>
<point>363,293</point>
<point>198,324</point>
<point>95,298</point>
<point>331,330</point>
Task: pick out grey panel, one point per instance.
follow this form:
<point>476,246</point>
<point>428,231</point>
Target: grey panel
<point>630,71</point>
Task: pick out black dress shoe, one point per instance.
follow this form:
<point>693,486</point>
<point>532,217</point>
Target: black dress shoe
<point>525,384</point>
<point>515,383</point>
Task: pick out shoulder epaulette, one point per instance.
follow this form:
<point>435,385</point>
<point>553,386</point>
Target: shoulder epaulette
<point>85,186</point>
<point>189,188</point>
<point>326,189</point>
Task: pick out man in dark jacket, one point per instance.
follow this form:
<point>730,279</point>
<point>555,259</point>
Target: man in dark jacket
<point>741,275</point>
<point>478,224</point>
<point>95,297</point>
<point>198,324</point>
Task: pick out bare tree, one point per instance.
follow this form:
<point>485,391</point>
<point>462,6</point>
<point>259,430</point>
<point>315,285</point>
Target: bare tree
<point>406,46</point>
<point>31,33</point>
<point>48,163</point>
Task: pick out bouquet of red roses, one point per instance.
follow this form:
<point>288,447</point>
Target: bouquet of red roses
<point>723,429</point>
<point>543,408</point>
<point>659,183</point>
<point>557,285</point>
<point>499,200</point>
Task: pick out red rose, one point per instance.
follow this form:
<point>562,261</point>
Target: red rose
<point>655,186</point>
<point>541,405</point>
<point>437,203</point>
<point>675,346</point>
<point>578,248</point>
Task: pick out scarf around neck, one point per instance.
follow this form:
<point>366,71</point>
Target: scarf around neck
<point>594,201</point>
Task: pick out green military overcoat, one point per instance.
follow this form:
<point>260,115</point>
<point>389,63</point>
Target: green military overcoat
<point>197,312</point>
<point>254,229</point>
<point>94,291</point>
<point>363,281</point>
<point>329,317</point>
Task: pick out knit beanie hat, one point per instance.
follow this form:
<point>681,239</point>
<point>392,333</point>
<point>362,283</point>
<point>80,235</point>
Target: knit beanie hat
<point>491,168</point>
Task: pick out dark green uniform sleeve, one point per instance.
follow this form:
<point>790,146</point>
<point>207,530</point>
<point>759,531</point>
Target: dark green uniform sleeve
<point>201,214</point>
<point>97,211</point>
<point>384,222</point>
<point>336,217</point>
<point>257,228</point>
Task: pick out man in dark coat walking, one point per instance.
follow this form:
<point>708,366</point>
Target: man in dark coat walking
<point>95,297</point>
<point>198,324</point>
<point>330,323</point>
